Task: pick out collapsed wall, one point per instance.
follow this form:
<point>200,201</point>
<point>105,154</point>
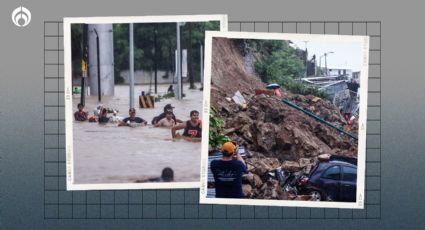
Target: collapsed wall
<point>272,133</point>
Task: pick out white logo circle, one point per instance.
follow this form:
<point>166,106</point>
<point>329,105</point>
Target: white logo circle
<point>21,16</point>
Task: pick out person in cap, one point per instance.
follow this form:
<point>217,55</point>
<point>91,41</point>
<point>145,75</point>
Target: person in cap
<point>167,108</point>
<point>166,121</point>
<point>228,172</point>
<point>81,115</point>
<point>132,119</point>
<point>192,128</point>
<point>103,116</point>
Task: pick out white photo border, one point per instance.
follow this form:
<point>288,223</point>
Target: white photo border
<point>70,185</point>
<point>361,154</point>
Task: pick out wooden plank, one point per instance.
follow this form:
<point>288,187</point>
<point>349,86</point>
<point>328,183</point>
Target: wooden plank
<point>149,102</point>
<point>142,99</point>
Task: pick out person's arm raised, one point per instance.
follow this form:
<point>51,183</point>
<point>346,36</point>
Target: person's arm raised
<point>239,157</point>
<point>177,127</point>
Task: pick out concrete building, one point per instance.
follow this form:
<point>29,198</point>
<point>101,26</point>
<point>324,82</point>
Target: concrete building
<point>338,71</point>
<point>335,87</point>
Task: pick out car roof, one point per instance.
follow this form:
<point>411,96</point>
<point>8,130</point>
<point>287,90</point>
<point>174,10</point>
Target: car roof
<point>339,162</point>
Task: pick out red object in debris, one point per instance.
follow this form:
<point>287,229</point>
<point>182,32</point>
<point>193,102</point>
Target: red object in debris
<point>303,181</point>
<point>264,91</point>
<point>347,116</point>
<point>277,92</point>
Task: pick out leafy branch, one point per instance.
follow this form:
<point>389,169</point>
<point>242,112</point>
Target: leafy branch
<point>216,126</point>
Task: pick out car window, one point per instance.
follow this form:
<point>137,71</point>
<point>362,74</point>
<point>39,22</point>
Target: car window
<point>332,173</point>
<point>349,174</point>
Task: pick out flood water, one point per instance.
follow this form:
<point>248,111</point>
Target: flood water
<point>112,154</point>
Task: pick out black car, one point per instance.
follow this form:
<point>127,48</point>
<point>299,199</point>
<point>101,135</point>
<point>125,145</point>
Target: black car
<point>333,180</point>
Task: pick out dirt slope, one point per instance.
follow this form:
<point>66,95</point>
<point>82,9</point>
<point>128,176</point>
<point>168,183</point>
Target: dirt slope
<point>228,73</point>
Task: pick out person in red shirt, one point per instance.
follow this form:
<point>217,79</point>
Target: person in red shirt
<point>192,128</point>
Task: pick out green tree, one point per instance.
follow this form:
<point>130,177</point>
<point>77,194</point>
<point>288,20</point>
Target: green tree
<point>216,126</point>
<point>144,47</point>
<point>76,49</point>
<point>280,63</point>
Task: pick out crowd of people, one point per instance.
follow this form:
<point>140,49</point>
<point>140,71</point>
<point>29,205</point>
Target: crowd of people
<point>192,128</point>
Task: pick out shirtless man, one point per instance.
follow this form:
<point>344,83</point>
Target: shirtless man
<point>167,121</point>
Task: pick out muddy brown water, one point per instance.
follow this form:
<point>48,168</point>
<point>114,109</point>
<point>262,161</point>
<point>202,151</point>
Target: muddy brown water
<point>112,154</point>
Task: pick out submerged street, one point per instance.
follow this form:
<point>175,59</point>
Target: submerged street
<point>112,154</point>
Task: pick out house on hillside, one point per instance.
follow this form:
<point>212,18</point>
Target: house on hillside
<point>339,71</point>
<point>335,87</point>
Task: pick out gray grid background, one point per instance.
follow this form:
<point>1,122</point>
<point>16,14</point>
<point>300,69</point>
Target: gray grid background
<point>184,203</point>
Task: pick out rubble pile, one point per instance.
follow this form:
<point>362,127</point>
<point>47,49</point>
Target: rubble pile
<point>273,134</point>
<point>276,135</point>
<point>324,109</point>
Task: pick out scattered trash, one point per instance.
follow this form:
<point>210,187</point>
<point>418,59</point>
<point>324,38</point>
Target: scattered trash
<point>238,98</point>
<point>315,99</point>
<point>273,86</point>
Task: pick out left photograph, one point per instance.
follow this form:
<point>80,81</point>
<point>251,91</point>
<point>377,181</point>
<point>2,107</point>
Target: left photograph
<point>133,100</point>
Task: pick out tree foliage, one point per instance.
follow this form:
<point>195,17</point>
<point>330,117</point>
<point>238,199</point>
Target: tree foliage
<point>280,63</point>
<point>216,125</point>
<point>77,48</point>
<point>278,60</point>
<point>144,46</point>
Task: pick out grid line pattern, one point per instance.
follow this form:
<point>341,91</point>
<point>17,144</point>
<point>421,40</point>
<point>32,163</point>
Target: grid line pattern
<point>184,203</point>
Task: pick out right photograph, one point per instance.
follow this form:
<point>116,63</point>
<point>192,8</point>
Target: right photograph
<point>286,119</point>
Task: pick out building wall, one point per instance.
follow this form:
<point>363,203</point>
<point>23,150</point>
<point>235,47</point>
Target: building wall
<point>336,72</point>
<point>333,89</point>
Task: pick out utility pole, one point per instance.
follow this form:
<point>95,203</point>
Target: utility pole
<point>98,66</point>
<point>156,57</point>
<point>131,61</point>
<point>101,68</point>
<point>306,59</point>
<point>189,59</point>
<point>179,64</point>
<point>202,66</point>
<point>326,64</point>
<point>319,73</point>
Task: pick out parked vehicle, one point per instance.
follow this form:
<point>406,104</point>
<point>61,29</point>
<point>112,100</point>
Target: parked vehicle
<point>333,180</point>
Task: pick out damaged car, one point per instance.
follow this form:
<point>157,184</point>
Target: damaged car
<point>333,180</point>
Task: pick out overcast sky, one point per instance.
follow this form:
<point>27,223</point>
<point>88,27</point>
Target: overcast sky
<point>345,54</point>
